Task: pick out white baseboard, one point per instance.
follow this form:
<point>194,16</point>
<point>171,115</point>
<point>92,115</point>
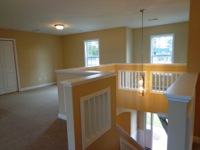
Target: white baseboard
<point>37,86</point>
<point>196,139</point>
<point>63,117</point>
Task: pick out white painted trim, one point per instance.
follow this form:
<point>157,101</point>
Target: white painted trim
<point>78,72</point>
<point>86,79</point>
<point>63,117</point>
<point>37,86</point>
<point>168,82</point>
<point>175,98</point>
<point>16,59</point>
<point>125,145</point>
<point>86,53</point>
<point>183,89</point>
<point>103,124</point>
<point>159,35</point>
<point>70,117</point>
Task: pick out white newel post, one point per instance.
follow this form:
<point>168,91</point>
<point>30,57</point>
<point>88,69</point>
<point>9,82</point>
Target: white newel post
<point>179,95</point>
<point>177,126</point>
<point>68,98</point>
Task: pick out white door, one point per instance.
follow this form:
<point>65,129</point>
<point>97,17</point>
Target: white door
<point>8,76</point>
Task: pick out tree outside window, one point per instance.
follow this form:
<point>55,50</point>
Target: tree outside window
<point>91,53</point>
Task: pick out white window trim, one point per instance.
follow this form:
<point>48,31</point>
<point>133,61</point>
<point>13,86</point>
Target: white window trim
<point>85,50</point>
<point>156,35</point>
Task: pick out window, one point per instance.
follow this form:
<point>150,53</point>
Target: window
<point>162,48</point>
<point>91,53</point>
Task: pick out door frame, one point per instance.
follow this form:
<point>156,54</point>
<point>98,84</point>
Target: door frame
<point>149,130</point>
<point>16,60</point>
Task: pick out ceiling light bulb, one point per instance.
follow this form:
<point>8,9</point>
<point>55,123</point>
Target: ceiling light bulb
<point>59,26</point>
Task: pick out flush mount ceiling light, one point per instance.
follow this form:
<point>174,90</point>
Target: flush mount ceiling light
<point>59,26</point>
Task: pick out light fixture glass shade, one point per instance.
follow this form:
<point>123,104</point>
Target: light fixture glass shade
<point>59,26</point>
<point>141,85</point>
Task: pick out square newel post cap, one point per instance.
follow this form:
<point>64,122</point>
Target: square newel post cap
<point>183,89</point>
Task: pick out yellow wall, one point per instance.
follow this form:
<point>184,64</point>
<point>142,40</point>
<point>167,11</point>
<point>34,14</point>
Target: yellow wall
<point>129,45</point>
<point>125,97</point>
<point>124,121</point>
<point>109,140</point>
<point>38,56</point>
<point>91,87</point>
<point>151,102</point>
<point>112,47</point>
<point>116,47</point>
<point>194,55</point>
<point>181,41</point>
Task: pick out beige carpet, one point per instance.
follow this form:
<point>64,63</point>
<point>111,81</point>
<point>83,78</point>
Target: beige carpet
<point>28,121</point>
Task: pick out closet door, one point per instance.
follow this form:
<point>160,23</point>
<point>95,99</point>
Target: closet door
<point>8,77</point>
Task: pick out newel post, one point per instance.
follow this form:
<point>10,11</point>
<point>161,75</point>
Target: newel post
<point>181,97</point>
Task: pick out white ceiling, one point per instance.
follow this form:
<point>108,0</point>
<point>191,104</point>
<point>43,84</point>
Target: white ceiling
<point>88,15</point>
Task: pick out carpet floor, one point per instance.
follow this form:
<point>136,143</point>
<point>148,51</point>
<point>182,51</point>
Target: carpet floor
<point>28,121</point>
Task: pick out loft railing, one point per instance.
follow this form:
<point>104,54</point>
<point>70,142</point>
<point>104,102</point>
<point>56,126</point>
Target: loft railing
<point>161,81</point>
<point>129,80</point>
<point>157,79</point>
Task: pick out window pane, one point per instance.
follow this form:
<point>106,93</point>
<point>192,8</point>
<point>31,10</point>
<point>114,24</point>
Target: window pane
<point>93,48</point>
<point>162,48</point>
<point>92,61</point>
<point>92,53</point>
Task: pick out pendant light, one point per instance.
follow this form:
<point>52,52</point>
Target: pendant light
<point>141,77</point>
